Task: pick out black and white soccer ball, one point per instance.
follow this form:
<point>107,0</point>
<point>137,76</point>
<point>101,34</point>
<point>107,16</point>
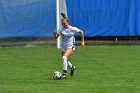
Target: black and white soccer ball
<point>57,75</point>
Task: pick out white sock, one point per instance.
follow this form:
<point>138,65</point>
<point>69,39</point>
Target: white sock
<point>64,63</point>
<point>69,64</point>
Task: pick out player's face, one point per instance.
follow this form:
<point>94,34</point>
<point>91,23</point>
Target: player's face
<point>65,24</point>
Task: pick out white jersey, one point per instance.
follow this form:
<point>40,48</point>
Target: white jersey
<point>68,38</point>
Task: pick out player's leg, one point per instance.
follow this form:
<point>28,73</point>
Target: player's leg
<point>64,65</point>
<point>65,56</point>
<point>68,62</point>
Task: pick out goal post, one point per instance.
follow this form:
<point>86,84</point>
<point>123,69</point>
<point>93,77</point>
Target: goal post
<point>60,7</point>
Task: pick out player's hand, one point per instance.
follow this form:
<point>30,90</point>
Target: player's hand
<point>83,43</point>
<point>56,35</point>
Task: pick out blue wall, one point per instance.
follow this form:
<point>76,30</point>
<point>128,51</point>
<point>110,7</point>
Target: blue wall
<point>27,18</point>
<point>31,18</point>
<point>105,17</point>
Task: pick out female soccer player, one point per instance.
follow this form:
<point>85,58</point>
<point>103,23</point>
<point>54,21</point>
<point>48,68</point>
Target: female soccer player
<point>68,43</point>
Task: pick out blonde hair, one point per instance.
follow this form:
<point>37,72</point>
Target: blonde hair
<point>64,19</point>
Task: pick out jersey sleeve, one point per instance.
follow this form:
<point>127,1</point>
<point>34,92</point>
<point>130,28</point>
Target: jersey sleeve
<point>75,29</point>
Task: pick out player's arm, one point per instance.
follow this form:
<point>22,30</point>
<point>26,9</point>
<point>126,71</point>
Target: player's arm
<point>82,38</point>
<point>56,35</point>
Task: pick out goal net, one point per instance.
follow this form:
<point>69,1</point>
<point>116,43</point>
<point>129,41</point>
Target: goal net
<point>30,22</point>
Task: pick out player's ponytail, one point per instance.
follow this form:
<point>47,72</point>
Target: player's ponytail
<point>64,17</point>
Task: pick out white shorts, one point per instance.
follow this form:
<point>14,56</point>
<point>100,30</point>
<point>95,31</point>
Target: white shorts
<point>65,47</point>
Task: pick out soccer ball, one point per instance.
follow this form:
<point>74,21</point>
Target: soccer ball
<point>57,75</point>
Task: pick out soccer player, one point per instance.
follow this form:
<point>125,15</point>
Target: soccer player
<point>68,43</point>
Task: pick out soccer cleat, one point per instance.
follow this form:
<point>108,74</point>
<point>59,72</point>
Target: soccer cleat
<point>72,71</point>
<point>63,75</point>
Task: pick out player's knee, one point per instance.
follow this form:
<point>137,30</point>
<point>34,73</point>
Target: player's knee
<point>64,59</point>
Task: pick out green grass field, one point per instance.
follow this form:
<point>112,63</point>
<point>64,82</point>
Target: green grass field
<point>100,69</point>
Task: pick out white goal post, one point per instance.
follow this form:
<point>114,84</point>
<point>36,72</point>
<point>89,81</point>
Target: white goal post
<point>60,7</point>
